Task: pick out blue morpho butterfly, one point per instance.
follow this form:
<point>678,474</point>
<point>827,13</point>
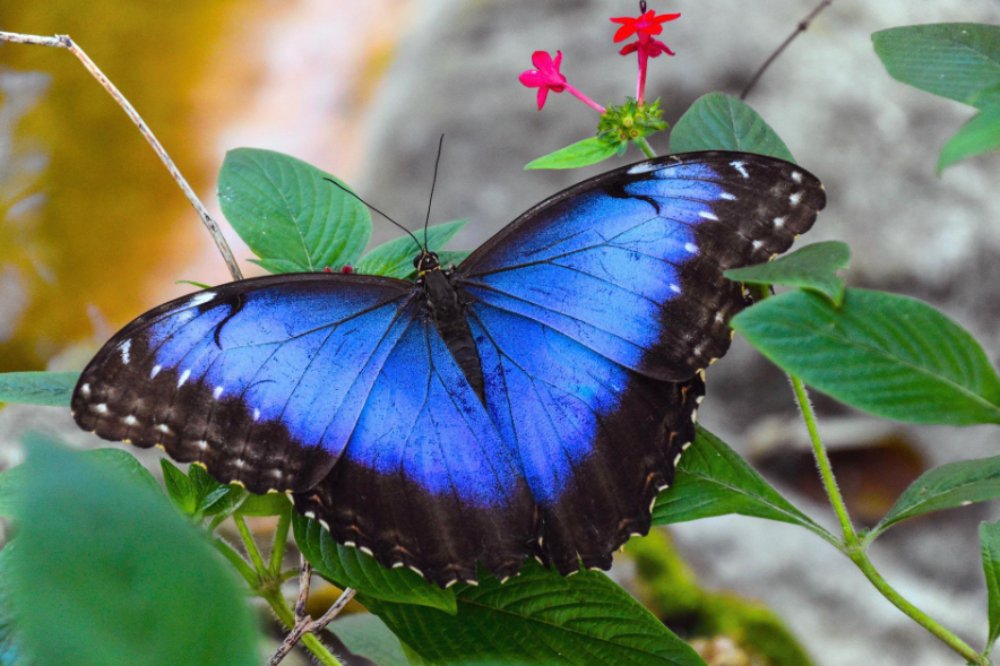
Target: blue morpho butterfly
<point>531,401</point>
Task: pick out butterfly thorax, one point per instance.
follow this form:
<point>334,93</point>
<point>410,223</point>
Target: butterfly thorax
<point>447,310</point>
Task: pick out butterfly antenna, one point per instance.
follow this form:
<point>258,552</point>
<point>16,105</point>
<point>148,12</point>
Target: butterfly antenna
<point>437,161</point>
<point>373,208</point>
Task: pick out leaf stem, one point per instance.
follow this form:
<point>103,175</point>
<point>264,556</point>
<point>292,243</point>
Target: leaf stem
<point>280,541</point>
<point>645,147</point>
<point>854,547</point>
<point>823,463</point>
<point>249,544</point>
<point>860,558</point>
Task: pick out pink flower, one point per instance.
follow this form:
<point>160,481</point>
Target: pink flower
<point>546,76</point>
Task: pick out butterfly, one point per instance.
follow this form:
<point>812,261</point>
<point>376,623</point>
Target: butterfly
<point>530,402</point>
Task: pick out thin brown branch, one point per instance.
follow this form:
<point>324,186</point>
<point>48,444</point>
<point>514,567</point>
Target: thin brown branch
<point>303,623</point>
<point>65,42</point>
<point>802,26</point>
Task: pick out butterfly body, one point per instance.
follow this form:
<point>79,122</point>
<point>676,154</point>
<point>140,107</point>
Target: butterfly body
<point>530,402</point>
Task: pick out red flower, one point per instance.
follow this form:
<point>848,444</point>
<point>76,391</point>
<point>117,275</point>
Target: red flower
<point>645,26</point>
<point>546,75</point>
<point>646,46</point>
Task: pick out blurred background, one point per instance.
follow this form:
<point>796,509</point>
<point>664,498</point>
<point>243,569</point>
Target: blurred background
<point>93,231</point>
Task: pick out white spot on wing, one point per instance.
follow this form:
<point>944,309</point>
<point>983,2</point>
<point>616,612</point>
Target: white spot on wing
<point>741,168</point>
<point>217,392</point>
<point>256,414</point>
<point>164,428</point>
<point>779,222</point>
<point>184,377</point>
<point>100,408</point>
<point>691,247</point>
<point>125,348</point>
<point>708,215</point>
<point>85,390</point>
<point>202,444</point>
<point>757,245</point>
<point>796,177</point>
<point>727,196</point>
<point>794,198</point>
<point>155,371</point>
<point>367,551</point>
<point>130,420</point>
<point>674,288</point>
<point>203,297</point>
<point>240,463</point>
<point>643,167</point>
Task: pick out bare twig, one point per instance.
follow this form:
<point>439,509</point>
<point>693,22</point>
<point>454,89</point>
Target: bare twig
<point>303,623</point>
<point>65,42</point>
<point>799,29</point>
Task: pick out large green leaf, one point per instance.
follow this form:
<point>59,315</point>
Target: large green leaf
<point>979,135</point>
<point>960,61</point>
<point>289,214</point>
<point>945,487</point>
<point>395,258</point>
<point>38,388</point>
<point>889,355</point>
<point>811,267</point>
<point>989,541</point>
<point>538,617</point>
<point>713,480</point>
<point>349,567</point>
<point>107,572</point>
<point>721,122</point>
<point>12,481</point>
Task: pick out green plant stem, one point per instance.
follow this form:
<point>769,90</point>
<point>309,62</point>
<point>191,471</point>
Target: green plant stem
<point>854,548</point>
<point>248,542</point>
<point>860,558</point>
<point>280,540</point>
<point>645,147</point>
<point>823,463</point>
<point>266,583</point>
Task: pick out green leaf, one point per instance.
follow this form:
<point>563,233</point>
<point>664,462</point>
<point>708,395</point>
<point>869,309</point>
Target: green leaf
<point>979,135</point>
<point>811,267</point>
<point>945,487</point>
<point>53,389</point>
<point>452,257</point>
<point>888,355</point>
<point>538,617</point>
<point>125,577</point>
<point>349,567</point>
<point>179,487</point>
<point>367,636</point>
<point>12,481</point>
<point>960,61</point>
<point>713,480</point>
<point>289,214</point>
<point>580,154</point>
<point>269,504</point>
<point>989,540</point>
<point>721,122</point>
<point>395,258</point>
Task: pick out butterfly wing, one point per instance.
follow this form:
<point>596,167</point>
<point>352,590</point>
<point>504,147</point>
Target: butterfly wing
<point>260,380</point>
<point>288,381</point>
<point>594,312</point>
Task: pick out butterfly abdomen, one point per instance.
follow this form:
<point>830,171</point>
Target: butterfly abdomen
<point>446,310</point>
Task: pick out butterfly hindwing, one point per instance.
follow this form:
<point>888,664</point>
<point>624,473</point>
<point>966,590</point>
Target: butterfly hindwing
<point>427,481</point>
